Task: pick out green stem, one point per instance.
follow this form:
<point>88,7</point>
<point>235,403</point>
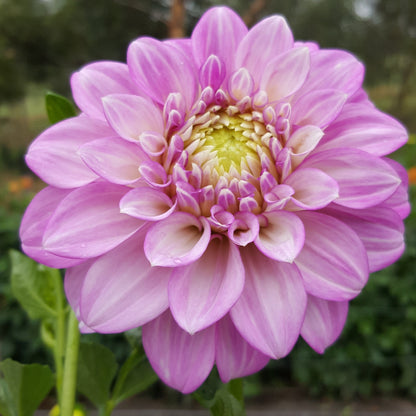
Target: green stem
<point>60,325</point>
<point>107,409</point>
<point>236,388</point>
<point>70,367</point>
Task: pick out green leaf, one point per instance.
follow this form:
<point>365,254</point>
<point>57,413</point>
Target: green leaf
<point>221,399</point>
<point>96,369</point>
<point>226,404</point>
<point>135,375</point>
<point>58,107</point>
<point>33,286</point>
<point>23,387</point>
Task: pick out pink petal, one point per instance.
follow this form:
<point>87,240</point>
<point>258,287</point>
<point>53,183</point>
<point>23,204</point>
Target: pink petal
<point>203,292</point>
<point>364,180</point>
<point>97,80</point>
<point>114,159</point>
<point>333,69</point>
<point>318,107</point>
<point>147,204</point>
<point>333,261</point>
<point>130,115</point>
<point>218,32</point>
<point>121,290</point>
<point>399,200</point>
<point>364,128</point>
<point>212,72</point>
<point>88,222</point>
<point>302,142</point>
<point>181,360</point>
<point>270,311</point>
<point>159,69</point>
<point>234,356</point>
<point>380,229</point>
<point>263,42</point>
<point>286,73</point>
<point>33,225</point>
<point>324,321</point>
<point>54,157</point>
<point>74,279</point>
<point>313,188</point>
<point>177,240</point>
<point>282,238</point>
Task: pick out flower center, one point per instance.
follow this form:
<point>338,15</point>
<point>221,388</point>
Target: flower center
<point>228,142</point>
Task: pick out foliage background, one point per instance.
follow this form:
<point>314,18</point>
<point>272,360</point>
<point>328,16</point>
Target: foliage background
<point>43,41</point>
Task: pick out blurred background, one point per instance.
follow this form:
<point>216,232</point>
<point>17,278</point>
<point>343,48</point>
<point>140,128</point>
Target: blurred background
<point>43,41</point>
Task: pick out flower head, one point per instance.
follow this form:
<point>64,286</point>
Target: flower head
<point>227,192</point>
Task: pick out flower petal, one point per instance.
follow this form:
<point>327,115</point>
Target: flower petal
<point>114,159</point>
<point>131,116</point>
<point>302,142</point>
<point>364,180</point>
<point>313,188</point>
<point>282,238</point>
<point>33,225</point>
<point>334,69</point>
<point>365,128</point>
<point>147,204</point>
<point>380,229</point>
<point>286,73</point>
<point>88,222</point>
<point>333,261</point>
<point>97,80</point>
<point>121,290</point>
<point>263,42</point>
<point>74,278</point>
<point>318,107</point>
<point>234,356</point>
<point>270,311</point>
<point>53,155</point>
<point>159,69</point>
<point>203,292</point>
<point>324,321</point>
<point>181,360</point>
<point>177,240</point>
<point>218,32</point>
<point>399,200</point>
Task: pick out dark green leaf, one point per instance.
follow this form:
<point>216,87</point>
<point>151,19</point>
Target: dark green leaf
<point>135,375</point>
<point>25,386</point>
<point>96,369</point>
<point>226,404</point>
<point>33,286</point>
<point>58,107</point>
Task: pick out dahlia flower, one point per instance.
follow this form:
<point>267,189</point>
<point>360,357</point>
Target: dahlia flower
<point>227,192</point>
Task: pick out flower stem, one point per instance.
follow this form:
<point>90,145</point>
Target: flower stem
<point>70,367</point>
<point>235,387</point>
<point>60,335</point>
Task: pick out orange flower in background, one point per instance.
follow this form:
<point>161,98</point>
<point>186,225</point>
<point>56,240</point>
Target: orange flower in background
<point>412,175</point>
<point>22,183</point>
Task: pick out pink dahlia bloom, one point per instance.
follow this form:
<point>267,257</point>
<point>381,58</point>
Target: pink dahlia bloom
<point>227,192</point>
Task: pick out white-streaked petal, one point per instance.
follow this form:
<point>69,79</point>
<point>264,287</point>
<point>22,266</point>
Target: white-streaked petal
<point>121,290</point>
<point>88,222</point>
<point>324,321</point>
<point>270,311</point>
<point>283,236</point>
<point>204,291</point>
<point>333,261</point>
<point>182,361</point>
<point>114,159</point>
<point>234,356</point>
<point>147,204</point>
<point>130,115</point>
<point>177,240</point>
